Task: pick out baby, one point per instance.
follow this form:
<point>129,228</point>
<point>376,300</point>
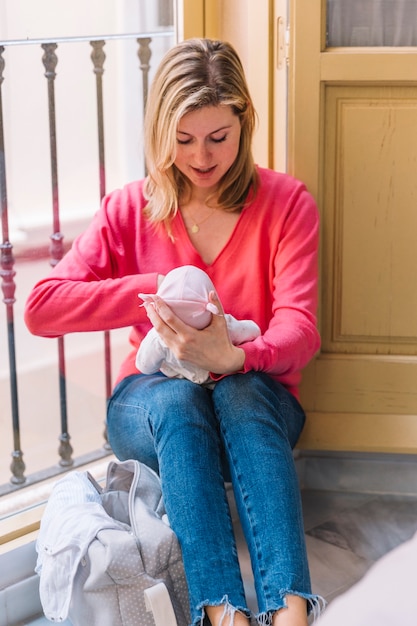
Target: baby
<point>186,291</point>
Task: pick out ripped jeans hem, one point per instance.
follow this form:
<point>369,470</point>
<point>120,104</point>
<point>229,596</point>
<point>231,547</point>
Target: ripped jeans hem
<point>315,607</point>
<point>229,611</point>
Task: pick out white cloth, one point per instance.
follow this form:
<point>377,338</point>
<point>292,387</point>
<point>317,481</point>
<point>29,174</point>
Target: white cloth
<point>73,516</point>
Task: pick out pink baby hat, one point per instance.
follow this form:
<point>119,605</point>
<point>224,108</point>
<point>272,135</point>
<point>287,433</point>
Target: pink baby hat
<point>186,291</point>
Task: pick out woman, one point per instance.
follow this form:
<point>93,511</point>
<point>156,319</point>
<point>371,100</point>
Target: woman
<point>254,231</point>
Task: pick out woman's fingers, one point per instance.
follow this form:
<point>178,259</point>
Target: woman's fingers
<point>214,300</point>
<point>209,348</point>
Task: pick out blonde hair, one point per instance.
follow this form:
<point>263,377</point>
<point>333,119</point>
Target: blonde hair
<point>194,74</point>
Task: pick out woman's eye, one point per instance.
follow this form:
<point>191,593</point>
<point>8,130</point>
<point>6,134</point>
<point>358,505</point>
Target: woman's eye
<point>185,142</point>
<point>219,140</point>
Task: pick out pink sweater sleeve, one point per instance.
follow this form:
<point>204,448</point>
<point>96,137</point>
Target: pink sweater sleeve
<point>95,286</point>
<point>285,257</point>
<point>292,338</point>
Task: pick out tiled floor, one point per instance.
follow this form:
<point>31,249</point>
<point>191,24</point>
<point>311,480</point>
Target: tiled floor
<point>345,533</point>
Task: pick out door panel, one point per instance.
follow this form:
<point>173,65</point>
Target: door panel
<point>370,220</point>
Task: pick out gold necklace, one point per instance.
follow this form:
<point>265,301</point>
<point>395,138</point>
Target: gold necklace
<point>195,227</point>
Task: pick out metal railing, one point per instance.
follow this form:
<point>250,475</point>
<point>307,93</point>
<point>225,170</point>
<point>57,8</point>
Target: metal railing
<point>9,276</point>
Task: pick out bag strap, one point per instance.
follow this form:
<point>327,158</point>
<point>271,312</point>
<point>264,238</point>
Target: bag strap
<point>158,602</point>
<point>95,484</point>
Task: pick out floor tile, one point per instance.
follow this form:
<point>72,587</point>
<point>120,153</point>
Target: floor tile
<point>332,568</point>
<point>320,506</point>
<point>371,529</point>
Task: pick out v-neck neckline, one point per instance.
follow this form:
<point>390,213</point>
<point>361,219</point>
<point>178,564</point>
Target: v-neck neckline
<point>230,243</point>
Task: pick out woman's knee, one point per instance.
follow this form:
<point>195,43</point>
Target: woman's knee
<point>156,407</point>
<point>156,396</point>
<point>249,393</point>
<point>256,398</point>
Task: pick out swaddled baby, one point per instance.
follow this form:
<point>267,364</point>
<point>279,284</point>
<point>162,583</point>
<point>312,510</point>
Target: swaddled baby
<point>186,291</point>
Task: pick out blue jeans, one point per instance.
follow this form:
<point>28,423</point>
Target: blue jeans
<point>242,431</point>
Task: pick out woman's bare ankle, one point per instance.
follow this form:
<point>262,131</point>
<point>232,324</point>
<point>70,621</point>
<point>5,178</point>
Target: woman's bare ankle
<point>295,613</point>
<point>225,615</point>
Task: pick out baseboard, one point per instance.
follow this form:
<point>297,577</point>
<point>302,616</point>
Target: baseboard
<point>380,473</point>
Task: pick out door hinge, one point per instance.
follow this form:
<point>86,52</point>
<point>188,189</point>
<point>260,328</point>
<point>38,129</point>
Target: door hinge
<point>283,43</point>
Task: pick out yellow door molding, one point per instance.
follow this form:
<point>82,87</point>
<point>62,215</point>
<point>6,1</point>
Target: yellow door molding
<point>201,18</point>
<point>193,19</point>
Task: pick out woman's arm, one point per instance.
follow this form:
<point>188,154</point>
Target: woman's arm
<point>291,338</point>
<point>58,305</point>
<point>95,286</point>
<point>278,285</point>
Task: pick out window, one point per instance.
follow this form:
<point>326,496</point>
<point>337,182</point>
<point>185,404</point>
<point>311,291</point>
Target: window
<point>356,23</point>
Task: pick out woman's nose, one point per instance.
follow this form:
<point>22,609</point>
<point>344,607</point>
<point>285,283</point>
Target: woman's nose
<point>202,153</point>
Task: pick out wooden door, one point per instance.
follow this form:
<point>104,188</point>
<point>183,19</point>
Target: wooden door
<point>353,140</point>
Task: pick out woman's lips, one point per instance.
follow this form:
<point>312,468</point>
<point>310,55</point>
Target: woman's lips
<point>203,172</point>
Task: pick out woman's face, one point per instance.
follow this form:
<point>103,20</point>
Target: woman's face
<point>207,145</point>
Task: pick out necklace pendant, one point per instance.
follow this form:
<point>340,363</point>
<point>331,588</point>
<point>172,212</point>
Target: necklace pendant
<point>195,228</point>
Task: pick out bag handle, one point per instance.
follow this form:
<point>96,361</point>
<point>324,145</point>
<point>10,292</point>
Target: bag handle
<point>95,484</point>
<point>158,602</point>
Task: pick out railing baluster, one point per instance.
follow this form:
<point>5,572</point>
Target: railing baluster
<point>98,57</point>
<point>144,54</point>
<point>7,273</point>
<point>50,61</point>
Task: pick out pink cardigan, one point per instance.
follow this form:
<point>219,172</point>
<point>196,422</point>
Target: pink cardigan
<point>267,272</point>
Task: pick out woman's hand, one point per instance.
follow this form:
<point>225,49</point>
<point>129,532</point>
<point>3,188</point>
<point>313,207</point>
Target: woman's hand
<point>209,348</point>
